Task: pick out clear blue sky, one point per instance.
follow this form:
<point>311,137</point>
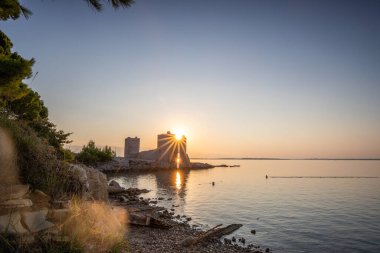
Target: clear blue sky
<point>241,78</point>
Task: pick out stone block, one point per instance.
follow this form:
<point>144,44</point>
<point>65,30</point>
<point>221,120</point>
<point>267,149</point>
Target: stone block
<point>36,221</point>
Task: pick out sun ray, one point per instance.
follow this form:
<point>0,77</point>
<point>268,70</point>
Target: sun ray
<point>166,151</point>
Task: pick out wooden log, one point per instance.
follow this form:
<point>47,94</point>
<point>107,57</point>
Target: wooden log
<point>147,220</point>
<point>214,232</point>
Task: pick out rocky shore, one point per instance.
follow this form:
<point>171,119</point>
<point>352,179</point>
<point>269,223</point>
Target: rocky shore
<point>105,213</point>
<point>120,164</point>
<point>172,231</point>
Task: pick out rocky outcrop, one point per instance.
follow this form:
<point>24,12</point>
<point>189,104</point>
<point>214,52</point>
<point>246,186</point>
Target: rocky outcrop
<point>19,215</point>
<point>93,182</point>
<point>123,165</point>
<point>97,184</point>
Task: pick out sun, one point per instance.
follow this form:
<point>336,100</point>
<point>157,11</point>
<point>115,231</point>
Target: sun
<point>178,134</point>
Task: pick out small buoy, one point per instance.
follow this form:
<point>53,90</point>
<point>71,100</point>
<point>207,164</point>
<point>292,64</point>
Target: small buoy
<point>266,176</point>
<point>213,183</point>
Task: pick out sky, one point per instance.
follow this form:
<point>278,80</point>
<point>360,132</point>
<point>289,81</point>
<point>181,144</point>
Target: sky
<point>289,79</point>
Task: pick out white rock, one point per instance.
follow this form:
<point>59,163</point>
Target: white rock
<point>13,203</point>
<point>36,221</point>
<point>11,223</point>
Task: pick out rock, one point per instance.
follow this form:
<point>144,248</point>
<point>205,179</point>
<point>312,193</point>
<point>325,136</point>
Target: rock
<point>172,209</point>
<point>233,239</point>
<point>11,223</point>
<point>78,172</point>
<point>178,216</point>
<point>153,202</point>
<point>188,219</point>
<point>36,221</point>
<point>97,184</point>
<point>115,184</point>
<point>93,183</point>
<point>253,231</point>
<point>13,203</point>
<point>160,198</point>
<point>242,240</point>
<point>13,191</point>
<point>227,241</point>
<point>170,199</point>
<point>40,199</point>
<point>122,198</point>
<point>267,250</point>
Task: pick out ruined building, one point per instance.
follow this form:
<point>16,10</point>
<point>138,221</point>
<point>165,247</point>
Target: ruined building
<point>169,151</point>
<point>131,147</point>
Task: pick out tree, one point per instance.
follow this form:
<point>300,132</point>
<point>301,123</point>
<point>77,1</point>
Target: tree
<point>13,9</point>
<point>13,69</point>
<point>90,154</point>
<point>17,100</point>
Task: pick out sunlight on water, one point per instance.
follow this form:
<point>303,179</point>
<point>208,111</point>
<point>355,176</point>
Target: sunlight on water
<point>178,181</point>
<point>304,206</point>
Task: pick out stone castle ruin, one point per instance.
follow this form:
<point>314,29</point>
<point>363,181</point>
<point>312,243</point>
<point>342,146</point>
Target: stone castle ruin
<point>170,151</point>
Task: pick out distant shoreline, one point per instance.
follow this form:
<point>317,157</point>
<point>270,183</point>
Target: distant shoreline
<point>313,159</point>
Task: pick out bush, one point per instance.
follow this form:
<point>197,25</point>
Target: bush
<point>91,154</point>
<point>37,161</point>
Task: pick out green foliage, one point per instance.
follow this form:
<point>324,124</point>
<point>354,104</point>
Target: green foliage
<point>38,161</point>
<point>30,107</point>
<point>12,9</point>
<point>13,69</point>
<point>91,154</point>
<point>22,103</point>
<point>68,155</point>
<point>98,5</point>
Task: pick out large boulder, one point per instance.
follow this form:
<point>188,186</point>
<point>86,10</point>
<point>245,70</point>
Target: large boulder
<point>97,184</point>
<point>93,182</point>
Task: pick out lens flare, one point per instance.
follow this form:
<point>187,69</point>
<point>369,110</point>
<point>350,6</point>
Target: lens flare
<point>8,168</point>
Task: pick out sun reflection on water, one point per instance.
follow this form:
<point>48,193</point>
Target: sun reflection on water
<point>178,182</point>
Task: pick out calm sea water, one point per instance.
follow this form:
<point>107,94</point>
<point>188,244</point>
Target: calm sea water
<point>304,206</point>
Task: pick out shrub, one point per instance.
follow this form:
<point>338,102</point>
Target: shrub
<point>90,154</point>
<point>37,161</point>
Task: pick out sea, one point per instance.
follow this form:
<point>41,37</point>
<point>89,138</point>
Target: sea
<point>303,205</point>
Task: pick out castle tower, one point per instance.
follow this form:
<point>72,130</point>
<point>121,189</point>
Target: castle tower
<point>168,148</point>
<point>131,147</point>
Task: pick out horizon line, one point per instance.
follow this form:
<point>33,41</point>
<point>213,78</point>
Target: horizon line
<point>275,158</point>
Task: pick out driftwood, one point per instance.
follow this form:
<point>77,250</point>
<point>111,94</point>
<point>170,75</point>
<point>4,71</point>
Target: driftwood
<point>147,220</point>
<point>215,232</point>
